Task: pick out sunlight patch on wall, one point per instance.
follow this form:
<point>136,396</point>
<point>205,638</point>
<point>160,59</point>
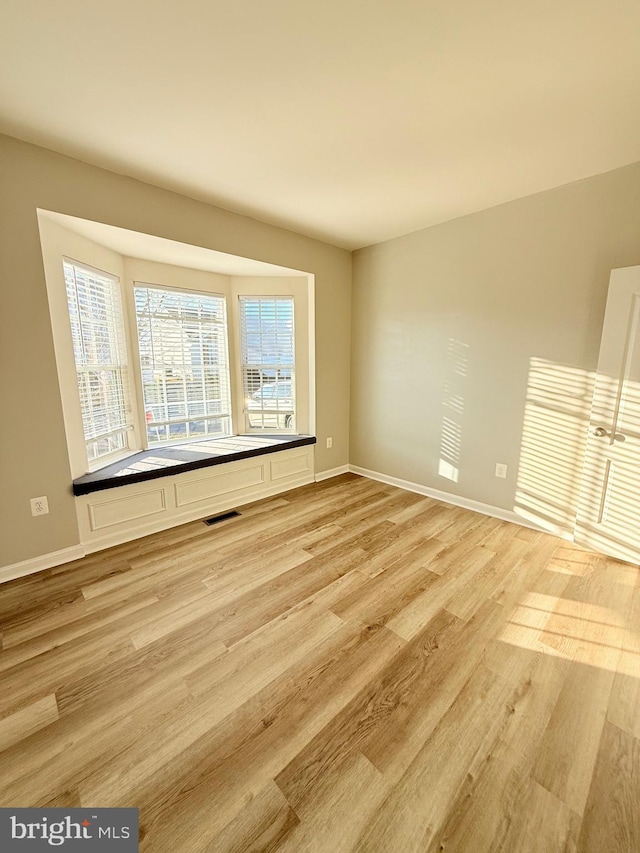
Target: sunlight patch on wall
<point>453,404</point>
<point>450,444</point>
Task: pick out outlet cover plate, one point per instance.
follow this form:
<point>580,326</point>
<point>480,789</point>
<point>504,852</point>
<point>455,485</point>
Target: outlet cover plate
<point>39,506</point>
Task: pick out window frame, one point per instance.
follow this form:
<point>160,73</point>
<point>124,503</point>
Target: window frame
<point>302,289</point>
<point>68,369</point>
<point>123,366</point>
<point>138,372</point>
<point>244,412</point>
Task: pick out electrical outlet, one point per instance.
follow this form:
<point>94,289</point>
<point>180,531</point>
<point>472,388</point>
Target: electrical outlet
<point>329,442</point>
<point>501,470</point>
<point>39,506</point>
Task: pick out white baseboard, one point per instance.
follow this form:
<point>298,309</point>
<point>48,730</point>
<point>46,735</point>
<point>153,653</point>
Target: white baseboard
<point>75,552</point>
<point>332,472</point>
<point>455,500</point>
<point>44,561</point>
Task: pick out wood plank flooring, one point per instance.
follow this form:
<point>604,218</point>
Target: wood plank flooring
<point>345,667</point>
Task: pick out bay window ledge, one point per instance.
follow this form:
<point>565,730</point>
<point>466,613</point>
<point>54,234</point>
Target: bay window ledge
<point>179,458</point>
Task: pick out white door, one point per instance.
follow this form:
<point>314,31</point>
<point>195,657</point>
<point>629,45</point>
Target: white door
<point>609,505</point>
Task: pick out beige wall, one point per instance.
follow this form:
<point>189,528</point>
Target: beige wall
<point>473,342</point>
<point>34,459</point>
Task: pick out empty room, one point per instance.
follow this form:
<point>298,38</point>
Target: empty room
<point>320,435</point>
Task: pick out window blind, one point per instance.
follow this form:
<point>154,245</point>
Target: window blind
<point>97,329</point>
<point>268,362</point>
<point>184,360</point>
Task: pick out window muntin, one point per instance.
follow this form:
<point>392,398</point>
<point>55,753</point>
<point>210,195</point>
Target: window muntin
<point>268,362</point>
<point>184,362</point>
<point>99,349</point>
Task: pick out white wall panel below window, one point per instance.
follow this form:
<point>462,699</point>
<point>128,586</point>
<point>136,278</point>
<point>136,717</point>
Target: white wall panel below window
<point>203,488</point>
<point>110,513</point>
<point>291,465</point>
<point>112,516</point>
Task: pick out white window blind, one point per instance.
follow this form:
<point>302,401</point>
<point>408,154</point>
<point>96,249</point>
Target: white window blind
<point>268,362</point>
<point>97,328</point>
<point>182,337</point>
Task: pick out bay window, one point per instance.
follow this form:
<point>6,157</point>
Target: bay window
<point>185,381</point>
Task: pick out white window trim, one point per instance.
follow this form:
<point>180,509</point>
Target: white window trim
<point>244,416</point>
<point>137,372</point>
<point>66,364</point>
<point>128,426</point>
<point>302,293</point>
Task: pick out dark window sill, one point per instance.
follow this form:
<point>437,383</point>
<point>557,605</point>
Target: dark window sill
<point>167,461</point>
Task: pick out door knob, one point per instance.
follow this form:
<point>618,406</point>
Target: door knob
<point>601,433</point>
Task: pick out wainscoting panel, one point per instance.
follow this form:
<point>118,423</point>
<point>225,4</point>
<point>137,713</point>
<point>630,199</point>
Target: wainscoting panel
<point>113,516</point>
<point>294,464</point>
<point>122,509</point>
<point>205,487</point>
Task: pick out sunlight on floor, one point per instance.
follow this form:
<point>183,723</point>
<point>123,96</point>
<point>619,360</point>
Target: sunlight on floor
<point>588,621</point>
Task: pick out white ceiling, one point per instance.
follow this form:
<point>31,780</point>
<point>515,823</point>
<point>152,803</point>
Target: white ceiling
<point>352,121</point>
<point>134,244</point>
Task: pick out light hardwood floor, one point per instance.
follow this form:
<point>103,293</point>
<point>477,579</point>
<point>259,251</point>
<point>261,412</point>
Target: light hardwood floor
<point>346,667</point>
